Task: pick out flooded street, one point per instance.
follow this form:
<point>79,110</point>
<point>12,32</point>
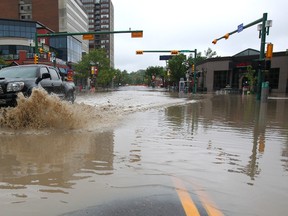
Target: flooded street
<point>139,151</point>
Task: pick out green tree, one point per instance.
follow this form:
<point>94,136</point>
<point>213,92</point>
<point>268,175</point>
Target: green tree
<point>105,77</point>
<point>138,77</point>
<point>178,67</point>
<point>2,63</point>
<point>98,58</point>
<point>250,75</point>
<point>156,71</point>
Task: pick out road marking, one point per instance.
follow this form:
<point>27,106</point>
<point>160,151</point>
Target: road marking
<point>208,205</point>
<point>187,203</point>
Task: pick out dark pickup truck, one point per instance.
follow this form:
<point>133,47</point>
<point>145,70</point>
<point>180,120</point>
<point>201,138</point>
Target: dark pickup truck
<point>24,78</point>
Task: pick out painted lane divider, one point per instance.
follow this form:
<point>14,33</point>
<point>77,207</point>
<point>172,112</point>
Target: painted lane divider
<point>189,206</point>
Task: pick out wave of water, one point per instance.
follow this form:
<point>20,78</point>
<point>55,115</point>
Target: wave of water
<point>45,112</point>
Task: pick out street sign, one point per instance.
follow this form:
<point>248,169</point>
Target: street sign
<point>240,28</point>
<point>165,57</point>
<point>88,37</point>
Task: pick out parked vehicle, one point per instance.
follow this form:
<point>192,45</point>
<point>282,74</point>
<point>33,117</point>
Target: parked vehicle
<point>24,78</point>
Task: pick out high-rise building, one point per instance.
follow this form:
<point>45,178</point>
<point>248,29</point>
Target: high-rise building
<point>101,18</point>
<point>59,16</point>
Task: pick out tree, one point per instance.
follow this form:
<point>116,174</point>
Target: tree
<point>155,72</point>
<point>178,67</point>
<point>250,75</point>
<point>2,63</point>
<point>209,53</point>
<point>98,58</point>
<point>138,77</point>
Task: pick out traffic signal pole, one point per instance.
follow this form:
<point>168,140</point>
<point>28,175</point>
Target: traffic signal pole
<point>264,30</point>
<point>134,34</point>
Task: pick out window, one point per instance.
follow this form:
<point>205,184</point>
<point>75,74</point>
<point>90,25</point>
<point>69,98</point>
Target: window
<point>104,26</point>
<point>54,74</point>
<point>43,70</point>
<point>104,11</point>
<point>104,16</point>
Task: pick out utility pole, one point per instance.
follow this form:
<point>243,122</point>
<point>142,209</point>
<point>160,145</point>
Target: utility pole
<point>263,30</point>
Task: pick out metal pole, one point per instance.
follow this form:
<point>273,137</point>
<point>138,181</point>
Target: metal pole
<point>262,55</point>
<point>194,72</point>
<point>36,43</point>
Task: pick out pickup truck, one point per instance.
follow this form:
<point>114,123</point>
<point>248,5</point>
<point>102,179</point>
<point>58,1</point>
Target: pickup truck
<point>24,78</point>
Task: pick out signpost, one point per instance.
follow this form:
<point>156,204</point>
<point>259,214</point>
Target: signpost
<point>263,30</point>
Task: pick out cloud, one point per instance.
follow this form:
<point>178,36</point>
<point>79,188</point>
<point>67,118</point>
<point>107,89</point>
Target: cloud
<point>186,24</point>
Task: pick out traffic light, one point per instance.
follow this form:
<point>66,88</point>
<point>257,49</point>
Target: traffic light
<point>137,34</point>
<point>174,52</point>
<point>269,50</point>
<point>214,41</point>
<point>193,67</point>
<point>226,36</point>
<point>36,59</point>
<point>139,52</point>
<point>41,50</point>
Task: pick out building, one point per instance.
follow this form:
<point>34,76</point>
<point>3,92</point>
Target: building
<point>220,72</point>
<point>17,47</point>
<point>101,18</point>
<point>57,15</point>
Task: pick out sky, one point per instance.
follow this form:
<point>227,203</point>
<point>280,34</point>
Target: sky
<point>193,24</point>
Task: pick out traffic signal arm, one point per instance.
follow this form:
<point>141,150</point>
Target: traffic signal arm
<point>226,36</point>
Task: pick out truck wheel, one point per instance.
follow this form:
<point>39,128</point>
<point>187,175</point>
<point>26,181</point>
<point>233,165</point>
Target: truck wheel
<point>70,97</point>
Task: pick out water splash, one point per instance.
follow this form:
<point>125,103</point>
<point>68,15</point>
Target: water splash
<point>39,111</point>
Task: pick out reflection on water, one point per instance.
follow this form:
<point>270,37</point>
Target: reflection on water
<point>233,146</point>
<point>235,121</point>
<point>55,160</point>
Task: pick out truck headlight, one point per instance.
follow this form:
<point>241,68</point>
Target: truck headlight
<point>15,86</point>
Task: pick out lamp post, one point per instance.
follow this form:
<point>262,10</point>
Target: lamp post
<point>263,30</point>
<point>30,41</point>
<point>194,72</point>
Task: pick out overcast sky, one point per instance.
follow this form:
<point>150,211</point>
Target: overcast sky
<point>193,24</point>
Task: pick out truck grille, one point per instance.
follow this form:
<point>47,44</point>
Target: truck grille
<point>1,90</point>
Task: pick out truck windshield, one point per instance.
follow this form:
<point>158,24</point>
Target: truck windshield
<point>18,72</point>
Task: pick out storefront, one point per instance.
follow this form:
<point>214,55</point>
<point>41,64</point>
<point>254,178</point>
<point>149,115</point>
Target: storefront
<point>220,72</point>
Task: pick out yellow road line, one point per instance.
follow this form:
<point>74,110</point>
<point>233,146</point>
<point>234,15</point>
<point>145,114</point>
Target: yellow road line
<point>187,203</point>
<point>207,203</point>
<point>209,206</point>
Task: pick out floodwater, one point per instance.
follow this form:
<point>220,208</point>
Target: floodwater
<point>140,148</point>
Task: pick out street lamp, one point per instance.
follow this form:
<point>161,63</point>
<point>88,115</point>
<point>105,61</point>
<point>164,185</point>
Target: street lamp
<point>30,41</point>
